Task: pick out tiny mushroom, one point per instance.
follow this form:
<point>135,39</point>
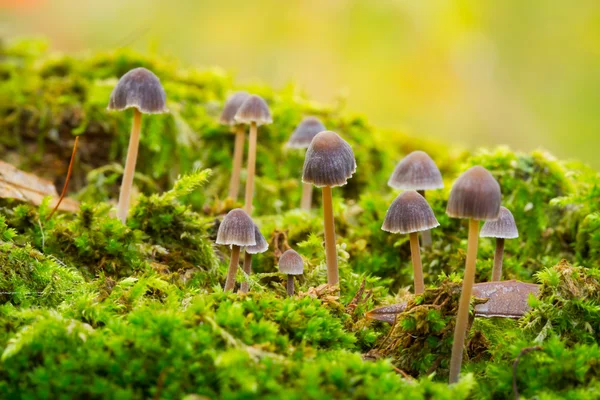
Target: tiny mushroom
<point>475,196</point>
<point>329,162</point>
<point>254,111</point>
<point>291,263</point>
<point>417,171</point>
<point>304,133</point>
<point>410,213</point>
<point>260,247</point>
<point>502,228</point>
<point>141,90</point>
<point>230,108</point>
<point>237,230</point>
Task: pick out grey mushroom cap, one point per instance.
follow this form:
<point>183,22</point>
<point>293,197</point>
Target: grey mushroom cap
<point>329,161</point>
<point>291,263</point>
<point>408,213</point>
<point>231,107</point>
<point>304,133</point>
<point>141,89</point>
<point>261,244</point>
<point>504,227</point>
<point>237,228</point>
<point>254,109</point>
<point>475,195</point>
<point>416,171</point>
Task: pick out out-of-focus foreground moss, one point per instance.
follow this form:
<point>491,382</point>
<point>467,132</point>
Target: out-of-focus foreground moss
<point>96,309</point>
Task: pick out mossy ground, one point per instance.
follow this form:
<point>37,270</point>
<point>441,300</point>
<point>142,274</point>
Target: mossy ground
<point>96,309</point>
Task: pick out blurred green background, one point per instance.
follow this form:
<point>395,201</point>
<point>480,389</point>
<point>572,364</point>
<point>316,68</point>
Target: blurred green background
<point>475,72</point>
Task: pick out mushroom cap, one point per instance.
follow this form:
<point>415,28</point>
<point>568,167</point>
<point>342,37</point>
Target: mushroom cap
<point>504,227</point>
<point>237,228</point>
<point>416,171</point>
<point>291,263</point>
<point>409,212</point>
<point>304,133</point>
<point>141,89</point>
<point>475,195</point>
<point>231,107</point>
<point>329,161</point>
<point>253,109</point>
<point>261,244</point>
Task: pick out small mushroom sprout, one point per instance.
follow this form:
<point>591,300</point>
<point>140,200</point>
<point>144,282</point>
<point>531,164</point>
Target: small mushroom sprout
<point>291,263</point>
<point>304,133</point>
<point>230,109</point>
<point>141,90</point>
<point>410,213</point>
<point>236,230</point>
<point>474,196</point>
<point>502,228</point>
<point>417,171</point>
<point>260,247</point>
<point>329,162</point>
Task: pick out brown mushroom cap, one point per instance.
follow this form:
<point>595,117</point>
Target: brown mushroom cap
<point>141,89</point>
<point>416,171</point>
<point>304,133</point>
<point>261,244</point>
<point>329,161</point>
<point>237,228</point>
<point>231,107</point>
<point>253,109</point>
<point>475,195</point>
<point>409,212</point>
<point>291,263</point>
<point>504,227</point>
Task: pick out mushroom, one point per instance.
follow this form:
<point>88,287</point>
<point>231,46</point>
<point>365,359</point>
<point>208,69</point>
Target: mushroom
<point>141,90</point>
<point>417,171</point>
<point>410,213</point>
<point>329,162</point>
<point>304,133</point>
<point>237,230</point>
<point>502,228</point>
<point>260,247</point>
<point>231,107</point>
<point>254,112</point>
<point>291,263</point>
<point>476,196</point>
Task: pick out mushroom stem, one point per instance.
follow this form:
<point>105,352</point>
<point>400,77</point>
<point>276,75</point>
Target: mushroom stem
<point>248,270</point>
<point>251,168</point>
<point>238,156</point>
<point>307,190</point>
<point>233,266</point>
<point>132,151</point>
<point>425,235</point>
<point>462,318</point>
<point>290,285</point>
<point>330,250</point>
<point>69,171</point>
<point>415,253</point>
<point>497,271</point>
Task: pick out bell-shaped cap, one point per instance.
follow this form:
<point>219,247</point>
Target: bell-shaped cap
<point>261,244</point>
<point>408,213</point>
<point>141,89</point>
<point>475,195</point>
<point>504,227</point>
<point>329,161</point>
<point>416,171</point>
<point>291,263</point>
<point>231,107</point>
<point>254,109</point>
<point>237,228</point>
<point>304,133</point>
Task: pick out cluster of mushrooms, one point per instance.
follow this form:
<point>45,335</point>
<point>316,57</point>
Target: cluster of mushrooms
<point>329,162</point>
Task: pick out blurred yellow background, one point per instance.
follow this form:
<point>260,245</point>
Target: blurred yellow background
<point>475,72</point>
